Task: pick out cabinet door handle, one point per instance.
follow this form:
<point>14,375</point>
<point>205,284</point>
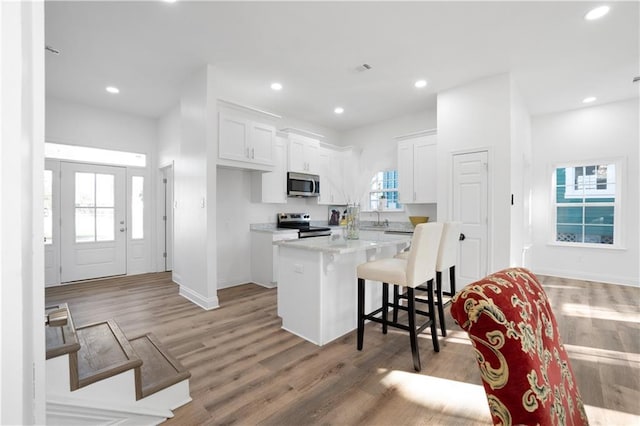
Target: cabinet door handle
<point>247,153</point>
<point>253,151</point>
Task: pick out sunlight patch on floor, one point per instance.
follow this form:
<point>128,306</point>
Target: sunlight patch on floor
<point>605,356</point>
<point>586,311</point>
<point>562,287</point>
<point>606,417</point>
<point>460,337</point>
<point>462,399</point>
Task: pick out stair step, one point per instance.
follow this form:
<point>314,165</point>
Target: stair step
<point>160,370</point>
<point>104,352</point>
<point>60,339</point>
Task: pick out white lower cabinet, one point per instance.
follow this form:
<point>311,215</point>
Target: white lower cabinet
<point>264,256</point>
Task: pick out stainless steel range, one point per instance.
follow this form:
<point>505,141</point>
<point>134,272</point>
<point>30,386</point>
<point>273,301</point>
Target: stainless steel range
<point>301,222</point>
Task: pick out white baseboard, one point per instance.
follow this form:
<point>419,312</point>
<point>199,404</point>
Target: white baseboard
<point>578,275</point>
<point>207,303</point>
<point>64,410</point>
<point>269,285</point>
<point>242,281</point>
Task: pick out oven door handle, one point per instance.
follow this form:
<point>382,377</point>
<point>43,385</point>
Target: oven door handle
<point>307,234</point>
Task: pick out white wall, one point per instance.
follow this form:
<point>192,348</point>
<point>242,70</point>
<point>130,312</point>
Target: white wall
<point>22,347</point>
<point>593,133</point>
<point>194,267</point>
<point>168,146</point>
<point>520,180</point>
<point>377,149</point>
<point>74,124</point>
<point>473,117</point>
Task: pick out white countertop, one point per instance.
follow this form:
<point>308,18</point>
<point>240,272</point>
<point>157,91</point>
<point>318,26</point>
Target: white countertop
<point>337,245</point>
<point>271,228</point>
<point>365,226</point>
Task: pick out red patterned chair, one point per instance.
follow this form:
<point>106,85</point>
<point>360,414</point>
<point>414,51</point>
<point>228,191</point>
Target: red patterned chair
<point>524,367</point>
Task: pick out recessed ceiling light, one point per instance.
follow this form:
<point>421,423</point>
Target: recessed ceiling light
<point>276,86</point>
<point>420,84</point>
<point>338,110</point>
<point>112,89</point>
<point>596,13</point>
<point>588,100</point>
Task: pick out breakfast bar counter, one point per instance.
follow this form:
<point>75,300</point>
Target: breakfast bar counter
<point>317,291</point>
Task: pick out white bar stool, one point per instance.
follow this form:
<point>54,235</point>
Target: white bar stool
<point>418,268</point>
<point>446,261</point>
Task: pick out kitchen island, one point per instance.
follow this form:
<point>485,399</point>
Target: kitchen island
<point>317,287</point>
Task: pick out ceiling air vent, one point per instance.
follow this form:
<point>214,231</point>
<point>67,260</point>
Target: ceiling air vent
<point>363,67</point>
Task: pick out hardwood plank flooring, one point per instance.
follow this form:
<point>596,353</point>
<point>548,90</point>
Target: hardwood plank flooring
<point>246,370</point>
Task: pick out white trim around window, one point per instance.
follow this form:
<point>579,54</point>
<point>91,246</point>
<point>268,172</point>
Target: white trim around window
<point>594,189</point>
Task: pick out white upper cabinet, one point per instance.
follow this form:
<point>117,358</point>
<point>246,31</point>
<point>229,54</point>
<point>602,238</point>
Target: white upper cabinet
<point>233,137</point>
<point>273,184</point>
<point>244,141</point>
<point>262,140</point>
<point>303,154</point>
<point>417,169</point>
<point>332,173</point>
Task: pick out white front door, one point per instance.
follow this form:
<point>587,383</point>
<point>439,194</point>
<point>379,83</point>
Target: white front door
<point>93,226</point>
<point>470,200</point>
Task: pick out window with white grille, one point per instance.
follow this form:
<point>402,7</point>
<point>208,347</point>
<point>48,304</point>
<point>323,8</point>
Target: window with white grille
<point>587,204</point>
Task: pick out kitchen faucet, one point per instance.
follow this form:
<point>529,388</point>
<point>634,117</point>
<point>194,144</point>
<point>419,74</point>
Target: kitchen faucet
<point>378,223</point>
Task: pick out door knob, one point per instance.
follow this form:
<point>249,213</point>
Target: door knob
<point>462,237</point>
<point>122,229</point>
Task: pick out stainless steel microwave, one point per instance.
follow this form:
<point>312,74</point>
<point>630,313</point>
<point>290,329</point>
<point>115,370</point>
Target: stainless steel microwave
<point>303,185</point>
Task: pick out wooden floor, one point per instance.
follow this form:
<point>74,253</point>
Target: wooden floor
<point>246,370</point>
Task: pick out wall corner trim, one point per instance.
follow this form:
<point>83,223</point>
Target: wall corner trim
<point>206,303</point>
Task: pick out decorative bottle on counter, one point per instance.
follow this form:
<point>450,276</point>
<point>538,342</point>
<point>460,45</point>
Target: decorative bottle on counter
<point>353,221</point>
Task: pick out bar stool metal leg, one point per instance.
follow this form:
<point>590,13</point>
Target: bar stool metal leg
<point>434,332</point>
<point>443,326</point>
<point>413,335</point>
<point>385,306</point>
<point>452,279</point>
<point>396,302</point>
<point>360,313</point>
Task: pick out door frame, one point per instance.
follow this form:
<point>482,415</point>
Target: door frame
<point>53,249</point>
<point>490,156</point>
<point>165,229</point>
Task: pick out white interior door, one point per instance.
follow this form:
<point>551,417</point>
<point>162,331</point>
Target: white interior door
<point>93,221</point>
<point>470,200</point>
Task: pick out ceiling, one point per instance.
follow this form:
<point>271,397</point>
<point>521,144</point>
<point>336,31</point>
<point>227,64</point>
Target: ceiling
<point>148,49</point>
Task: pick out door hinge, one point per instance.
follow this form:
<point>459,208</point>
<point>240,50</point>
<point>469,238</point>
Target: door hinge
<point>164,218</point>
<point>164,255</point>
<point>61,270</point>
<point>164,180</point>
